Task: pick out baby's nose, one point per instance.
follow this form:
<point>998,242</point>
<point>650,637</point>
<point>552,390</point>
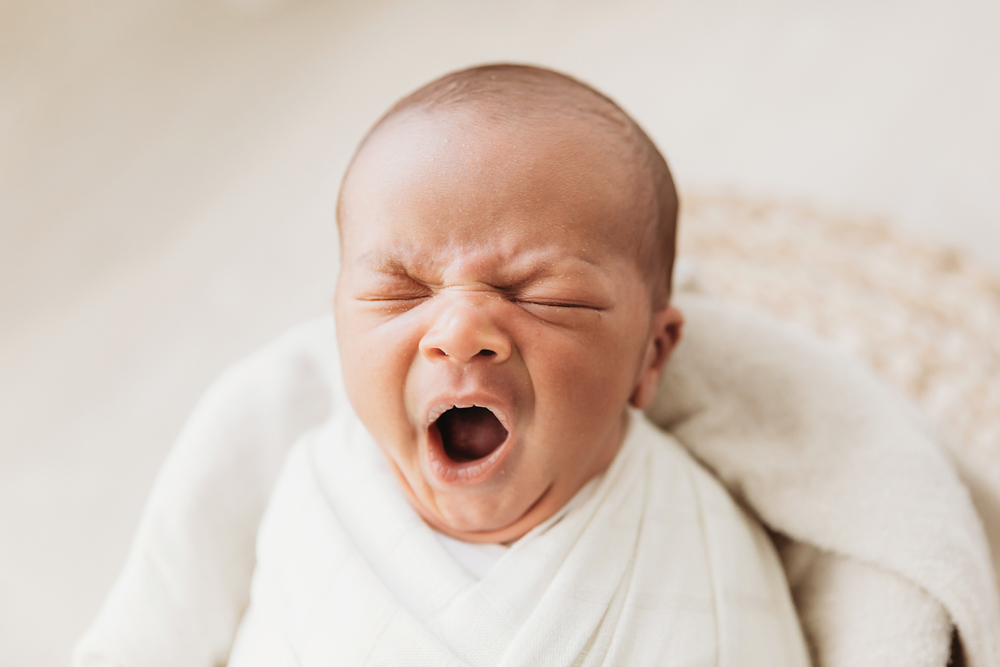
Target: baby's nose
<point>464,332</point>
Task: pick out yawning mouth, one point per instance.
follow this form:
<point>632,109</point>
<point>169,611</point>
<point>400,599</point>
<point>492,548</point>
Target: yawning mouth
<point>469,434</point>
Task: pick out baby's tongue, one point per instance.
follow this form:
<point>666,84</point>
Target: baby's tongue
<point>470,433</point>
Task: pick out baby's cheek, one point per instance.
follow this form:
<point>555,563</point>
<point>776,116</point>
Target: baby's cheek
<point>375,363</point>
<point>593,377</point>
<point>564,374</point>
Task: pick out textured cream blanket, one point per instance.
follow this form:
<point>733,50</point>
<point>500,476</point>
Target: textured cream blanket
<point>656,566</point>
<point>885,551</point>
<point>883,546</point>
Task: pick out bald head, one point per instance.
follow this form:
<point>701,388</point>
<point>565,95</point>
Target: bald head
<point>524,108</point>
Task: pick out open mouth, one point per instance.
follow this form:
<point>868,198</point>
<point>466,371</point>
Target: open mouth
<point>470,434</point>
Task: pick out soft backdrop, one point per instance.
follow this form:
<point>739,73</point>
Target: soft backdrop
<point>168,172</point>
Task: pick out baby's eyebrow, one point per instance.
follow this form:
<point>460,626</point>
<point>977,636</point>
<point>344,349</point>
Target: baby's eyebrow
<point>517,274</point>
<point>514,277</point>
<point>394,261</point>
<point>509,276</point>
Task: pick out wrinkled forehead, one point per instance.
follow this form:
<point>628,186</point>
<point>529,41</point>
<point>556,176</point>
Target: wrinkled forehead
<point>496,178</point>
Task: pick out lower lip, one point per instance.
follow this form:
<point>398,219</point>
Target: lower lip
<point>449,472</point>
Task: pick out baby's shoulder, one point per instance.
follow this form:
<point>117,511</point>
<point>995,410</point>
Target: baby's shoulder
<point>747,577</point>
<point>673,465</point>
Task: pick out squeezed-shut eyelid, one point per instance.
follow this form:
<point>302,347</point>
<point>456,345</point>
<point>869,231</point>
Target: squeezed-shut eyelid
<point>377,298</point>
<point>559,304</point>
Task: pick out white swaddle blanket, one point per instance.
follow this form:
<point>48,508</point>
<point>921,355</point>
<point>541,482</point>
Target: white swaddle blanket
<point>655,566</point>
<point>886,552</point>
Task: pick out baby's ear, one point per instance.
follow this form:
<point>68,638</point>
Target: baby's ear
<point>665,333</point>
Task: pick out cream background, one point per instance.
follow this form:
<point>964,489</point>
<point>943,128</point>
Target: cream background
<point>168,172</point>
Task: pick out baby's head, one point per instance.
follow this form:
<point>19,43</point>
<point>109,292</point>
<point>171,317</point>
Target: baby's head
<point>507,240</point>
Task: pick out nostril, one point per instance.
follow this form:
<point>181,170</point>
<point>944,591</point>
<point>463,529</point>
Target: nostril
<point>487,353</point>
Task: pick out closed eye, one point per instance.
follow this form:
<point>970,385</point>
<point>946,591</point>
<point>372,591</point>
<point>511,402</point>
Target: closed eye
<point>390,304</point>
<point>392,297</point>
<point>395,289</point>
<point>553,304</point>
<point>561,313</point>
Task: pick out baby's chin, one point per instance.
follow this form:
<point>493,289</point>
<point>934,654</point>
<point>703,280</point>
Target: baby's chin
<point>482,524</point>
<point>498,515</point>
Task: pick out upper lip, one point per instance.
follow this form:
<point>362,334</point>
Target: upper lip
<point>443,403</point>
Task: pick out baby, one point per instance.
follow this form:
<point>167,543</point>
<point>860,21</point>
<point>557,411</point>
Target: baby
<point>507,238</point>
<point>485,491</point>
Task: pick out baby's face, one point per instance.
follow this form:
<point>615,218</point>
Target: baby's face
<point>490,268</point>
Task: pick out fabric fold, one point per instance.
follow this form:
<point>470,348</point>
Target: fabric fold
<point>868,504</point>
<point>827,456</point>
<point>657,565</point>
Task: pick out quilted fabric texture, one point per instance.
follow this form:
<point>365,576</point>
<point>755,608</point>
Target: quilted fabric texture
<point>925,318</point>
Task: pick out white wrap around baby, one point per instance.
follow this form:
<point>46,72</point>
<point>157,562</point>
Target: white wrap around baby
<point>656,565</point>
<point>883,547</point>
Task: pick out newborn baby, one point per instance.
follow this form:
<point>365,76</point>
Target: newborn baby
<point>485,490</point>
<point>506,249</point>
<point>507,238</point>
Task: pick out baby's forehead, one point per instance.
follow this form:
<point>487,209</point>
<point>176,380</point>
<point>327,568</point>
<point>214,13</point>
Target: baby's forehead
<point>489,129</point>
<point>469,142</point>
<point>469,151</point>
<point>512,204</point>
